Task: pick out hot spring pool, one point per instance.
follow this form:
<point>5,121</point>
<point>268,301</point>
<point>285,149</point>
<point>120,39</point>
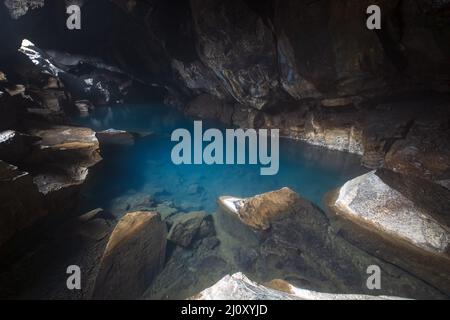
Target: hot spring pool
<point>146,167</point>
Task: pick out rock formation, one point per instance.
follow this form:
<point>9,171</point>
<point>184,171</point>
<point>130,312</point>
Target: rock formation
<point>133,257</point>
<point>386,213</point>
<point>368,199</point>
<point>295,237</point>
<point>239,287</point>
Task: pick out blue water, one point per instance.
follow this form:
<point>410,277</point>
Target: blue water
<point>146,167</point>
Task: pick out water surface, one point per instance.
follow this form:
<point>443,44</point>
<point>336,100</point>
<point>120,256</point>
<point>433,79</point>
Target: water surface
<point>146,167</point>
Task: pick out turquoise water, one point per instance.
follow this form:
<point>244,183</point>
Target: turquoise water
<point>146,167</point>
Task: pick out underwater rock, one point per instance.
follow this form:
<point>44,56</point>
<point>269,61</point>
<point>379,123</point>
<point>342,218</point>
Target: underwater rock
<point>21,204</point>
<point>88,216</point>
<point>186,227</point>
<point>133,257</point>
<point>258,211</point>
<point>133,201</point>
<point>113,137</point>
<point>239,287</point>
<point>369,200</point>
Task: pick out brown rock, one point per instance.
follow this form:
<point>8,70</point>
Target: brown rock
<point>257,212</point>
<point>186,227</point>
<point>294,237</point>
<point>133,257</point>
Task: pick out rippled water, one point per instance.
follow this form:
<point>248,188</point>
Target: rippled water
<point>146,167</point>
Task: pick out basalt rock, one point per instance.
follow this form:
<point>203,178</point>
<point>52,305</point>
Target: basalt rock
<point>386,213</point>
<point>61,164</point>
<point>188,227</point>
<point>133,257</point>
<point>245,60</point>
<point>369,200</point>
<point>292,236</point>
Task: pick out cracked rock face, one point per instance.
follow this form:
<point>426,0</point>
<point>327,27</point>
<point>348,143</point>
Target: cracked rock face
<point>239,48</point>
<point>369,200</point>
<point>18,8</point>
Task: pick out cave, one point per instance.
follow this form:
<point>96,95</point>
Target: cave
<point>354,115</point>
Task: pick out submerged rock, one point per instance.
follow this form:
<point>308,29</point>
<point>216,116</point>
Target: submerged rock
<point>257,212</point>
<point>187,227</point>
<point>239,287</point>
<point>133,257</point>
<point>369,200</point>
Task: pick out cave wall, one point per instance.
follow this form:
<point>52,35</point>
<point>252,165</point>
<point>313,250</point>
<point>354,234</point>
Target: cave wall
<point>259,54</point>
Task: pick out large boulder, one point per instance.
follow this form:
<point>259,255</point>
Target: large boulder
<point>399,219</point>
<point>286,234</point>
<point>133,257</point>
<point>61,163</point>
<point>239,287</point>
<point>369,200</point>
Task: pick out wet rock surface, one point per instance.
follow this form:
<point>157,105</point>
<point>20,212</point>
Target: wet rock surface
<point>133,257</point>
<point>292,237</point>
<point>369,200</point>
<point>402,220</point>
